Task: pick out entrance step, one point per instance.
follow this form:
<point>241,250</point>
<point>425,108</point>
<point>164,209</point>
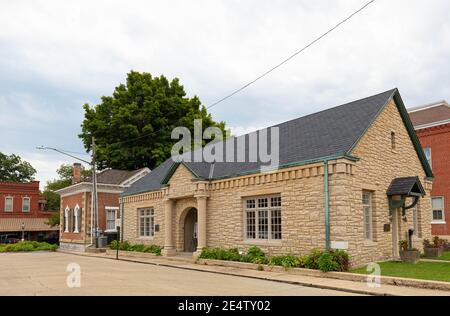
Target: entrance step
<point>95,250</point>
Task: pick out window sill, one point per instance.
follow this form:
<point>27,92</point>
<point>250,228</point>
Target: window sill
<point>262,242</point>
<point>438,222</point>
<point>145,238</point>
<point>111,231</point>
<point>370,243</point>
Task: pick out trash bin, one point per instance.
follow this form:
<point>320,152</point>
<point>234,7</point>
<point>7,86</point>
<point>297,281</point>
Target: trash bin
<point>102,241</point>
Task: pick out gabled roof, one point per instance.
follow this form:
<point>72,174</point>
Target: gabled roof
<point>437,113</point>
<point>329,134</point>
<point>406,186</point>
<point>115,176</point>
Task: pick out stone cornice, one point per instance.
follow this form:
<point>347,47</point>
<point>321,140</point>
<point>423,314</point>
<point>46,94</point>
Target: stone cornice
<point>202,188</point>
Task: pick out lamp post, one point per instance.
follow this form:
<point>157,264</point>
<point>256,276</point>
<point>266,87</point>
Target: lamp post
<point>23,231</point>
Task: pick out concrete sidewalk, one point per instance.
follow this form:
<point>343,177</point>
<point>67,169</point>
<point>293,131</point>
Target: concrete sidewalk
<point>323,283</point>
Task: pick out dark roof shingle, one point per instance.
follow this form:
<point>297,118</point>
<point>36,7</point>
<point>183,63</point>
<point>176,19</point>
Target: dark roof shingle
<point>405,186</point>
<point>332,132</point>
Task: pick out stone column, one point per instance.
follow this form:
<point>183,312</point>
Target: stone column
<point>395,233</point>
<point>169,248</point>
<point>201,226</point>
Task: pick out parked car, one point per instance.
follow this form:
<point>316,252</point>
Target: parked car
<point>9,239</point>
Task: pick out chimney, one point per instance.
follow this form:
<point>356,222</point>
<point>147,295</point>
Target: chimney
<point>76,178</point>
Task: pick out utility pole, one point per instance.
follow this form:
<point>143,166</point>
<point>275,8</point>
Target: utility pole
<point>94,203</point>
<point>94,192</point>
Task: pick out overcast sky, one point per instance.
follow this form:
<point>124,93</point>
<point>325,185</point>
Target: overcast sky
<point>56,55</point>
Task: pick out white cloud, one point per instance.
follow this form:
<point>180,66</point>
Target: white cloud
<point>58,54</point>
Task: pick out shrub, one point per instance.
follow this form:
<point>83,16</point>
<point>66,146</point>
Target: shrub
<point>286,261</point>
<point>326,262</point>
<point>153,249</point>
<point>126,246</point>
<point>255,252</point>
<point>403,245</point>
<point>28,246</point>
<point>137,248</point>
<point>311,261</point>
<point>114,244</point>
<point>342,259</point>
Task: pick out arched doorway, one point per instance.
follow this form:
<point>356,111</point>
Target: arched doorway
<point>190,231</point>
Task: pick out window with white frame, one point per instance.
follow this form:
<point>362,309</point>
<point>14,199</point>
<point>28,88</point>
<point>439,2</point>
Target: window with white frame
<point>437,206</point>
<point>263,218</point>
<point>146,222</point>
<point>110,219</point>
<point>367,212</point>
<point>76,218</point>
<point>8,204</point>
<point>66,219</point>
<point>427,151</point>
<point>26,204</point>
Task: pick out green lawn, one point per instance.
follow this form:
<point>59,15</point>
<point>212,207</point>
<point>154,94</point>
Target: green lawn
<point>435,271</point>
<point>445,256</point>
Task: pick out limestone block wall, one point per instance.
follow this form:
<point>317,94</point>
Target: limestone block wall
<point>378,165</point>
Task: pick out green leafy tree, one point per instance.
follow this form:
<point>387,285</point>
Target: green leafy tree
<point>14,169</point>
<point>133,126</point>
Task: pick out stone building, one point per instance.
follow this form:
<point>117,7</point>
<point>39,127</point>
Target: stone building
<point>352,177</point>
<point>76,205</point>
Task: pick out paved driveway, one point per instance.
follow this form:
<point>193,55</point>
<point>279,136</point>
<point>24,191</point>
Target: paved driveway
<point>44,273</point>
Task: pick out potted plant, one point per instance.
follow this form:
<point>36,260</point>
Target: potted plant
<point>435,249</point>
<point>408,254</point>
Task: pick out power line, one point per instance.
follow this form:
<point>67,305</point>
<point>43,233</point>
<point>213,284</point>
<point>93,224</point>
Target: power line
<point>291,56</point>
<point>265,73</point>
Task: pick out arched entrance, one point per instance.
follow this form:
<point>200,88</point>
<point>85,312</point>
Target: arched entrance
<point>190,231</point>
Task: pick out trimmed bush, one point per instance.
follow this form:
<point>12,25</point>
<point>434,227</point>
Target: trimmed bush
<point>342,259</point>
<point>335,260</point>
<point>28,246</point>
<point>311,261</point>
<point>126,246</point>
<point>326,262</point>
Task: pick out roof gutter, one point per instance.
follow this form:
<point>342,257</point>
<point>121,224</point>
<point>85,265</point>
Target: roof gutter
<point>326,206</point>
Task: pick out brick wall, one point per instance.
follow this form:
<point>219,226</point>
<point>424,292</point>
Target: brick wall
<point>437,138</point>
<point>18,191</point>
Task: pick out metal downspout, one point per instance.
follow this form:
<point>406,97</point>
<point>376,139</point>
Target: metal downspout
<point>326,207</point>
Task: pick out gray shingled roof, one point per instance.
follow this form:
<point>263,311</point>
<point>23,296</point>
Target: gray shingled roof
<point>114,176</point>
<point>329,133</point>
<point>405,186</point>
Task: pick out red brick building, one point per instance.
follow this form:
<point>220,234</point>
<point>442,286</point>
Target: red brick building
<point>76,205</point>
<point>22,209</point>
<point>432,125</point>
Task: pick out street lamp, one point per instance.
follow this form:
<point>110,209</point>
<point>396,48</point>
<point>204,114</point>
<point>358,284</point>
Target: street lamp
<point>94,212</point>
<point>23,231</point>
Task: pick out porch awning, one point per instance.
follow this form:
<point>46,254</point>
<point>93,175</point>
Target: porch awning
<point>407,186</point>
<point>31,225</point>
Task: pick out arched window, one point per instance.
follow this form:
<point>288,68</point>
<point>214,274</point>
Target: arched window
<point>76,214</point>
<point>66,219</point>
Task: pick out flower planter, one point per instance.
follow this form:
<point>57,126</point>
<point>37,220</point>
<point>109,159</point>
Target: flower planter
<point>431,252</point>
<point>412,256</point>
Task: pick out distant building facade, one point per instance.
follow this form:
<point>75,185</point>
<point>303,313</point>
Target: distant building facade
<point>22,210</point>
<point>432,125</point>
<point>76,205</point>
